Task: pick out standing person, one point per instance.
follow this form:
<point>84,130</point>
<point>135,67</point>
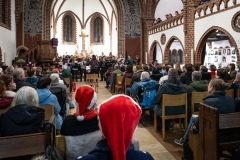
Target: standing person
<point>103,67</point>
<point>129,60</point>
<point>94,65</point>
<point>75,70</point>
<point>83,64</point>
<point>116,143</point>
<point>137,60</point>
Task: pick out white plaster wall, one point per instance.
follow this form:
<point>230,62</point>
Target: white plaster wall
<point>176,31</point>
<point>90,8</point>
<point>222,20</point>
<point>168,6</point>
<point>8,38</point>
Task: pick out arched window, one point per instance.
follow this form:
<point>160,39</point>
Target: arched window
<point>98,27</point>
<point>67,34</point>
<point>5,13</point>
<point>69,29</point>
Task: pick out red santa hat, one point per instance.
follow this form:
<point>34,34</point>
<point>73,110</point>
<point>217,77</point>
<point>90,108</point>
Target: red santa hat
<point>85,99</point>
<point>119,117</point>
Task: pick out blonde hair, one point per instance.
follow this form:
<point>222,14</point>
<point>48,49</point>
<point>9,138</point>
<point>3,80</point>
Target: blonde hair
<point>25,95</point>
<point>219,84</point>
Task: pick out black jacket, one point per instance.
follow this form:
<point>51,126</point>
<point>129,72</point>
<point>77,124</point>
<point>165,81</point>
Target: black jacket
<point>20,83</point>
<point>21,119</point>
<point>72,127</point>
<point>187,78</point>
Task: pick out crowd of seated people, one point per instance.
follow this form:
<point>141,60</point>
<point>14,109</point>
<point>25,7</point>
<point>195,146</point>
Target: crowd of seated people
<point>167,78</point>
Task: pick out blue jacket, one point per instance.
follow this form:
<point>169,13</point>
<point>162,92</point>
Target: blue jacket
<point>219,100</point>
<point>103,152</point>
<point>32,80</point>
<point>46,97</point>
<point>171,86</point>
<point>148,84</point>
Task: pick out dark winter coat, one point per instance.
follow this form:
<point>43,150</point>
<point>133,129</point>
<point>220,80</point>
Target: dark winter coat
<point>21,83</point>
<point>21,119</point>
<point>72,127</point>
<point>219,100</point>
<point>103,152</point>
<point>187,78</point>
<point>171,86</point>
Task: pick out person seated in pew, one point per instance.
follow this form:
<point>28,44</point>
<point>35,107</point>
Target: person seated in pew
<point>19,79</point>
<point>205,74</point>
<point>197,85</point>
<point>235,84</point>
<point>217,99</point>
<point>57,87</point>
<point>5,101</point>
<point>118,118</point>
<point>145,82</point>
<point>9,84</point>
<point>32,78</point>
<point>222,74</point>
<point>46,97</point>
<point>24,116</point>
<point>136,76</point>
<point>171,86</point>
<point>85,119</point>
<point>81,130</point>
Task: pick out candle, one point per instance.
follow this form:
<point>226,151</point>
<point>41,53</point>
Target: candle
<point>146,58</point>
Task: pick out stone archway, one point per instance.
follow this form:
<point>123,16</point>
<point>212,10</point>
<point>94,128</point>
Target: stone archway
<point>203,39</point>
<point>167,48</point>
<point>150,54</point>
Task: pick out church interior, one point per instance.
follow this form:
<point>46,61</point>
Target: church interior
<point>198,32</point>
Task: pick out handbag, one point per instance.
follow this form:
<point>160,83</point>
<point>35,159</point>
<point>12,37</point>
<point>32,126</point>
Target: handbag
<point>51,152</point>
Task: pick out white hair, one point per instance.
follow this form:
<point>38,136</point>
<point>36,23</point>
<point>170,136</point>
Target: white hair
<point>64,67</point>
<point>54,77</point>
<point>25,95</point>
<point>18,73</point>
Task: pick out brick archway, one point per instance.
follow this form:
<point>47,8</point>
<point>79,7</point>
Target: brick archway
<point>167,48</point>
<point>203,39</point>
<point>150,53</point>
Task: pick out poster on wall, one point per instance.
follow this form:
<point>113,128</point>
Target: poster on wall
<point>220,56</point>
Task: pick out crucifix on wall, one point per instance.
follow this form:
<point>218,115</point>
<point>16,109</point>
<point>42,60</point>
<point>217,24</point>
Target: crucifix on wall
<point>83,35</point>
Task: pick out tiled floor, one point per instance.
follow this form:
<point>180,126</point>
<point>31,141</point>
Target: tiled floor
<point>146,140</point>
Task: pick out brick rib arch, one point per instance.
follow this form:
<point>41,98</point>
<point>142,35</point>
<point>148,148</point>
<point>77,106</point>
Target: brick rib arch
<point>150,55</point>
<point>167,48</point>
<point>203,39</point>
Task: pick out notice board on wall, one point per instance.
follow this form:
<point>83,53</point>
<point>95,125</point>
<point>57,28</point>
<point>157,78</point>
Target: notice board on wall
<point>220,54</point>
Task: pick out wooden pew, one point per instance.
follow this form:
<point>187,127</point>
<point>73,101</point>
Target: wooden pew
<point>217,132</point>
<point>27,144</point>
